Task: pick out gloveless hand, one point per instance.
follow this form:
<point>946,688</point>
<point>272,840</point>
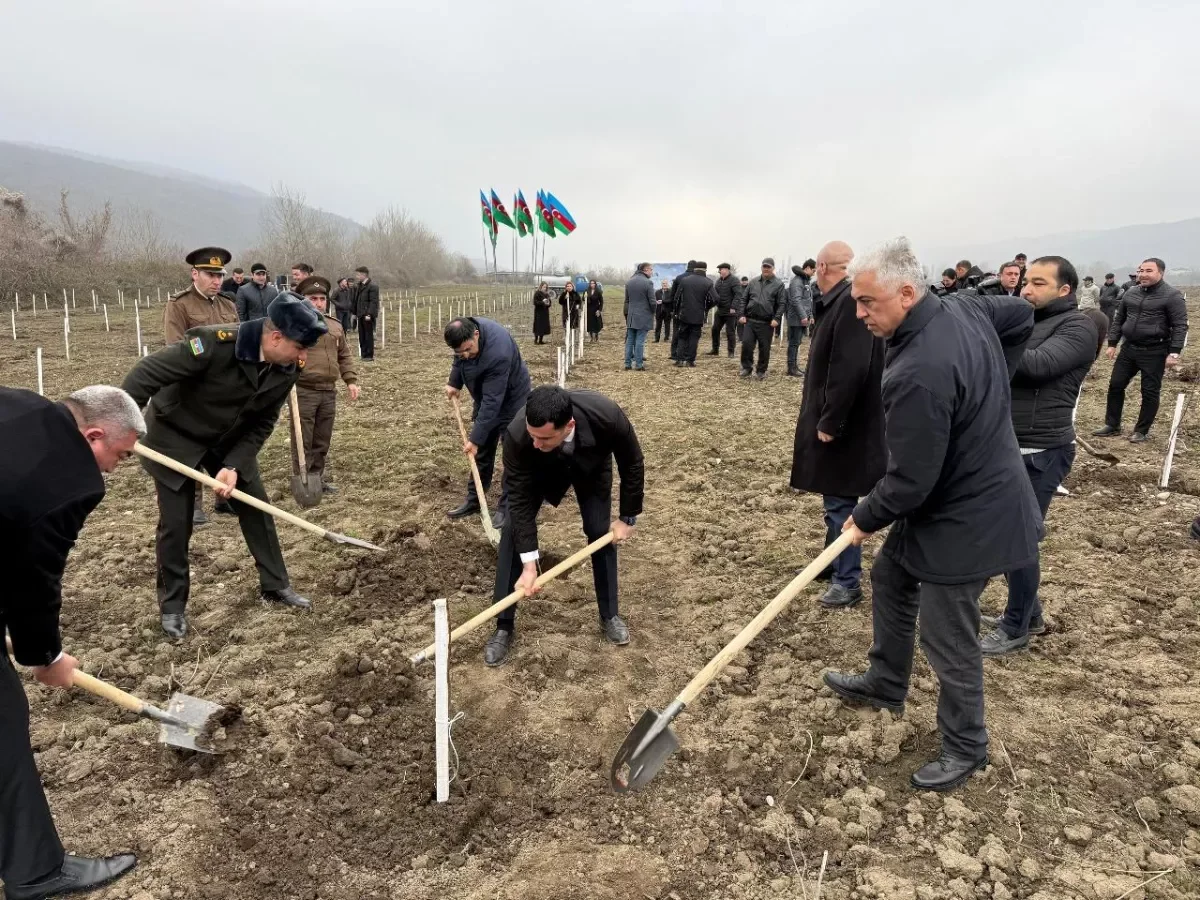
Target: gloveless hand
<point>60,673</point>
<point>228,479</point>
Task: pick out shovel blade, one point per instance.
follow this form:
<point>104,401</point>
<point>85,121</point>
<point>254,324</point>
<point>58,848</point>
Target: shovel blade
<point>192,715</point>
<point>645,750</point>
<point>352,541</point>
<point>307,493</point>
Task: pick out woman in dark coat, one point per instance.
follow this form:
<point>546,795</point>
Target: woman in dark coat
<point>569,301</point>
<point>595,308</point>
<point>541,313</point>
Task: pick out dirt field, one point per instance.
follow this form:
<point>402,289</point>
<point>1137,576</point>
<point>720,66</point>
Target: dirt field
<point>326,788</point>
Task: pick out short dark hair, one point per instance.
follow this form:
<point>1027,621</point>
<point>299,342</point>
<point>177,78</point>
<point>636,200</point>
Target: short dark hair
<point>963,264</point>
<point>809,264</point>
<point>641,266</point>
<point>1162,266</point>
<point>548,403</point>
<point>1020,256</point>
<point>1109,275</point>
<point>303,267</point>
<point>460,330</point>
<point>1066,272</point>
<point>949,273</point>
<point>238,271</point>
<point>363,269</point>
<point>1010,264</point>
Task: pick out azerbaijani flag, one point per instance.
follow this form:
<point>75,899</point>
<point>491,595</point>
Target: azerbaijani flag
<point>500,213</point>
<point>562,218</point>
<point>545,219</point>
<point>524,217</point>
<point>488,220</point>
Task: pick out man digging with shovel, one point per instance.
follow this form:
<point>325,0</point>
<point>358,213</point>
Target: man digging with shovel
<point>54,454</point>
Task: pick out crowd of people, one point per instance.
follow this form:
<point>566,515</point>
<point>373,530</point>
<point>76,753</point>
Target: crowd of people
<point>942,415</point>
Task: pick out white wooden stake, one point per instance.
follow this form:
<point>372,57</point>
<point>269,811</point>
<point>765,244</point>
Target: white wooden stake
<point>72,298</point>
<point>439,317</point>
<point>429,320</point>
<point>93,300</point>
<point>414,331</point>
<point>64,290</point>
<point>13,313</point>
<point>145,350</point>
<point>45,302</point>
<point>106,328</point>
<point>441,702</point>
<point>137,321</point>
<point>382,325</point>
<point>41,385</point>
<point>17,300</point>
<point>1166,469</point>
<point>67,337</point>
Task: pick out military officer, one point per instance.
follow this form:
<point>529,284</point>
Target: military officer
<point>316,391</point>
<point>214,398</point>
<point>201,304</point>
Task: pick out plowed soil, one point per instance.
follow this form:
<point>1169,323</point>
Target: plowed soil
<point>325,787</point>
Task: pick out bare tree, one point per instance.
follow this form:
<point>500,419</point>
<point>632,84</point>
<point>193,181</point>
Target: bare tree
<point>404,250</point>
<point>139,240</point>
<point>84,235</point>
<point>293,231</point>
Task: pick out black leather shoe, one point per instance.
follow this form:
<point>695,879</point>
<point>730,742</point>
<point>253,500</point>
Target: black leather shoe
<point>679,363</point>
<point>495,651</point>
<point>731,354</point>
<point>796,373</point>
<point>1194,531</point>
<point>859,689</point>
<point>838,596</point>
<point>468,508</point>
<point>199,518</point>
<point>327,488</point>
<point>174,625</point>
<point>715,353</point>
<point>224,508</point>
<point>946,772</point>
<point>1106,431</point>
<point>691,363</point>
<point>78,874</point>
<point>287,597</point>
<point>1137,438</point>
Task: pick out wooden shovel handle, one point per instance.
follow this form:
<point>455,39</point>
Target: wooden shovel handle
<point>297,432</point>
<point>94,685</point>
<point>174,464</point>
<point>762,620</point>
<point>500,605</point>
<point>462,429</point>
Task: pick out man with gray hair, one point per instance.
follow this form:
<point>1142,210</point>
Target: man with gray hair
<point>954,493</point>
<point>50,483</point>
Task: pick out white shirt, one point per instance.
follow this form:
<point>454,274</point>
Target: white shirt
<point>533,555</point>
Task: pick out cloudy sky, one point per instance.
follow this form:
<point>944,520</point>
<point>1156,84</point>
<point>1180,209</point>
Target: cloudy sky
<point>670,129</point>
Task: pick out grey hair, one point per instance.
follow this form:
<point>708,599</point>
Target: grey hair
<point>894,264</point>
<point>104,404</point>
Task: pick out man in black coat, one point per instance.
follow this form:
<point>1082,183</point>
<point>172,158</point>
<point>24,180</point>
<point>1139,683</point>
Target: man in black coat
<point>676,287</point>
<point>729,292</point>
<point>214,398</point>
<point>366,308</point>
<point>955,494</point>
<point>49,484</point>
<point>488,363</point>
<point>839,452</point>
<point>1110,293</point>
<point>564,439</point>
<point>1151,325</point>
<point>255,295</point>
<point>342,301</point>
<point>1045,389</point>
<point>664,311</point>
<point>759,311</point>
<point>694,297</point>
<point>234,282</point>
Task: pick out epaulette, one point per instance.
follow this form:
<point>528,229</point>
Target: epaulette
<point>225,335</point>
<point>181,293</point>
<point>229,295</point>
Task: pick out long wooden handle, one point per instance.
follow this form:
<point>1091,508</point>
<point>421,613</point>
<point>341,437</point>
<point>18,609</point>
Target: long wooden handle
<point>298,433</point>
<point>462,429</point>
<point>500,605</point>
<point>762,620</point>
<point>154,456</point>
<point>94,685</point>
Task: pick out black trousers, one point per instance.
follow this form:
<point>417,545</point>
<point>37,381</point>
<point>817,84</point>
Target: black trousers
<point>175,534</point>
<point>728,322</point>
<point>596,512</point>
<point>689,341</point>
<point>676,340</point>
<point>29,846</point>
<point>366,337</point>
<point>662,323</point>
<point>1151,362</point>
<point>949,615</point>
<point>485,459</point>
<point>756,333</point>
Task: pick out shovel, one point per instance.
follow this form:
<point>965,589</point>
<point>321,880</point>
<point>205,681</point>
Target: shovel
<point>489,529</point>
<point>1099,454</point>
<point>306,487</point>
<point>188,722</point>
<point>174,464</point>
<point>651,742</point>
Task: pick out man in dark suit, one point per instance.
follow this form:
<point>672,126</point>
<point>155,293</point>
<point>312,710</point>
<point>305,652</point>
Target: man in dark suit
<point>366,307</point>
<point>564,439</point>
<point>50,483</point>
<point>214,399</point>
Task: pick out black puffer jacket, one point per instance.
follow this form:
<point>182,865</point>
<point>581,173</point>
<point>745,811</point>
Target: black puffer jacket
<point>1045,387</point>
<point>694,298</point>
<point>1151,315</point>
<point>763,300</point>
<point>728,290</point>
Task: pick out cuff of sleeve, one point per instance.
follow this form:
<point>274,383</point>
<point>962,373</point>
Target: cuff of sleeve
<point>865,520</point>
<point>531,556</point>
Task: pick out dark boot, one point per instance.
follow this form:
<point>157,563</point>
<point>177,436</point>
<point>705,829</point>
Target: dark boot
<point>470,507</point>
<point>860,689</point>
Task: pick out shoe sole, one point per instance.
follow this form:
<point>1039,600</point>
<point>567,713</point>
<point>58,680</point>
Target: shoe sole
<point>994,654</point>
<point>845,605</point>
<point>865,699</point>
<point>949,785</point>
<point>1033,632</point>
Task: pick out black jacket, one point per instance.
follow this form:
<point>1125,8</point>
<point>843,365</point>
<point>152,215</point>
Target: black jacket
<point>842,398</point>
<point>209,394</point>
<point>955,492</point>
<point>1045,388</point>
<point>252,301</point>
<point>764,300</point>
<point>49,484</point>
<point>991,287</point>
<point>1151,316</point>
<point>231,287</point>
<point>695,297</point>
<point>1109,294</point>
<point>366,299</point>
<point>729,290</point>
<point>602,432</point>
<point>497,379</point>
<point>663,300</point>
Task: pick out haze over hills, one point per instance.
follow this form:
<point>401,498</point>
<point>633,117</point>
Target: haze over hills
<point>192,210</point>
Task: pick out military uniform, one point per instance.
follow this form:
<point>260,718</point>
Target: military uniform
<point>316,391</point>
<point>213,402</point>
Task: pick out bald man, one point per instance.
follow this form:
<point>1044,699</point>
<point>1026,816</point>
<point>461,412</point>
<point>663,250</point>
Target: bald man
<point>839,448</point>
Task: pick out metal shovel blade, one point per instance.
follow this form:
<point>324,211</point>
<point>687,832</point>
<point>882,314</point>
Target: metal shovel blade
<point>1109,458</point>
<point>308,492</point>
<point>187,722</point>
<point>352,541</point>
<point>645,750</point>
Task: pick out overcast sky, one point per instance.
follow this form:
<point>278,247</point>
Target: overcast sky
<point>670,129</point>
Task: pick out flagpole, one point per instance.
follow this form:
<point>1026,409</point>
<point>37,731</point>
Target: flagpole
<point>484,235</point>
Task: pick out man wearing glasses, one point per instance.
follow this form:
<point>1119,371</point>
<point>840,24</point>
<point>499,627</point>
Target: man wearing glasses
<point>488,363</point>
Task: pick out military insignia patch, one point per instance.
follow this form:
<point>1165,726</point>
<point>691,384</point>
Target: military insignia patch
<point>223,335</point>
<point>197,346</point>
<point>301,363</point>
